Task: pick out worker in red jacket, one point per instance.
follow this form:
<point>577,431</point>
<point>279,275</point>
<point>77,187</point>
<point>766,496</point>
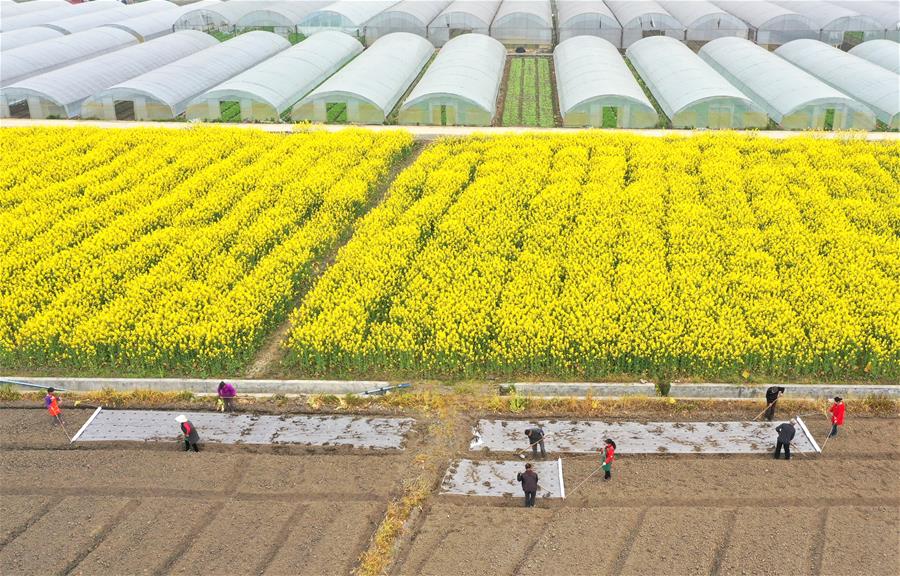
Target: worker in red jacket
<point>609,449</point>
<point>51,403</point>
<point>837,414</point>
<point>189,433</point>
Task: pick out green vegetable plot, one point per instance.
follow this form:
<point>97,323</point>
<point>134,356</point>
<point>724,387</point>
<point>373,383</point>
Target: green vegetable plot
<point>529,93</point>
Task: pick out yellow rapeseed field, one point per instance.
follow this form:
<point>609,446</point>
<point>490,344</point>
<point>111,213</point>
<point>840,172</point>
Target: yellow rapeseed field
<point>157,248</point>
<point>587,255</point>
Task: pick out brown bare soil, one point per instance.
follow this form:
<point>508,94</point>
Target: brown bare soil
<point>152,509</point>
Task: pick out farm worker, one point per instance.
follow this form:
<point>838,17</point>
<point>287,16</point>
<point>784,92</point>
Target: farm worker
<point>529,480</point>
<point>772,395</point>
<point>837,415</point>
<point>189,432</point>
<point>51,403</point>
<point>786,433</point>
<point>609,450</point>
<point>226,396</point>
<point>535,436</point>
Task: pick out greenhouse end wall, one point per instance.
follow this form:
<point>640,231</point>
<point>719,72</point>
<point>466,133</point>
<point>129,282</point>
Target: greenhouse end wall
<point>444,112</point>
<point>252,110</point>
<point>358,111</point>
<point>590,115</point>
<point>720,113</point>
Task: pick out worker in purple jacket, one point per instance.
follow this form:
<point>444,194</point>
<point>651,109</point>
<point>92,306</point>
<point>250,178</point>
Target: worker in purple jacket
<point>226,395</point>
<point>529,480</point>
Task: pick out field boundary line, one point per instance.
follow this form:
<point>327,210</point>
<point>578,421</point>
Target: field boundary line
<point>817,551</point>
<point>284,532</point>
<point>98,538</point>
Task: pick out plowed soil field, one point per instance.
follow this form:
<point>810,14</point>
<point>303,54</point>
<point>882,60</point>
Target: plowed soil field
<point>144,509</point>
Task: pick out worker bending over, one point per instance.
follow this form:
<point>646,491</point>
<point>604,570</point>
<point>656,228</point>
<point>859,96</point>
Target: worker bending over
<point>786,433</point>
<point>535,436</point>
<point>189,433</point>
<point>772,395</point>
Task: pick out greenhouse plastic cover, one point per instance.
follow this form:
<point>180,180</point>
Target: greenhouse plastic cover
<point>156,24</point>
<point>676,76</point>
<point>539,9</point>
<point>226,12</point>
<point>177,83</point>
<point>25,36</point>
<point>41,57</point>
<point>470,67</point>
<point>692,13</point>
<point>481,11</point>
<point>569,9</point>
<point>763,15</point>
<point>70,86</point>
<point>9,8</point>
<point>885,53</point>
<point>627,11</point>
<point>869,83</point>
<point>885,12</point>
<point>773,83</point>
<point>290,13</point>
<point>588,67</point>
<point>56,13</point>
<point>382,73</point>
<point>84,22</point>
<point>356,12</point>
<point>422,11</point>
<point>285,78</point>
<point>828,16</point>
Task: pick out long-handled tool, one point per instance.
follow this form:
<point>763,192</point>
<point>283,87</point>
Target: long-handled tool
<point>521,451</point>
<point>63,426</point>
<point>764,409</point>
<point>585,480</point>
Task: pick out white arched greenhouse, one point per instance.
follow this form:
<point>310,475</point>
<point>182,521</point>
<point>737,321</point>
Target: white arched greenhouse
<point>215,16</point>
<point>346,16</point>
<point>523,23</point>
<point>164,93</point>
<point>643,19</point>
<point>837,25</point>
<point>791,97</point>
<point>868,83</point>
<point>411,16</point>
<point>40,17</point>
<point>885,53</point>
<point>25,36</point>
<point>690,91</point>
<point>587,18</point>
<point>83,22</point>
<point>704,21</point>
<point>461,85</point>
<point>885,12</point>
<point>62,92</point>
<point>153,25</point>
<point>596,88</point>
<point>366,90</point>
<point>269,89</point>
<point>770,24</point>
<point>9,8</point>
<point>41,57</point>
<point>279,17</point>
<point>462,17</point>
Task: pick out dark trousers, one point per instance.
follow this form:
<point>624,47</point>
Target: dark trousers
<point>834,428</point>
<point>529,498</point>
<point>535,449</point>
<point>770,412</point>
<point>188,446</point>
<point>229,404</point>
<point>787,450</point>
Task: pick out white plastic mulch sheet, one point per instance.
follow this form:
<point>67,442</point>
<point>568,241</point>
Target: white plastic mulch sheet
<point>489,478</point>
<point>155,426</point>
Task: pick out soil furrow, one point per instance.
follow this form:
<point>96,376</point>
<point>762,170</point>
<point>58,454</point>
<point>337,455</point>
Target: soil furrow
<point>202,522</point>
<point>540,535</point>
<point>283,533</point>
<point>724,545</point>
<point>211,495</point>
<point>625,551</point>
<point>39,513</point>
<point>97,539</point>
<point>817,554</point>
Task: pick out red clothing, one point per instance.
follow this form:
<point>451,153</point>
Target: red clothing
<point>52,403</point>
<point>609,451</point>
<point>837,413</point>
